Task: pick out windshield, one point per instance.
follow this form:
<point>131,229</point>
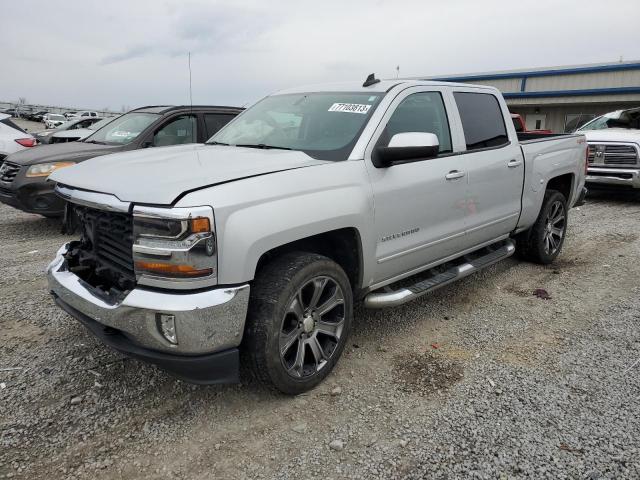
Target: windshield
<point>56,117</point>
<point>323,125</point>
<point>623,119</point>
<point>124,129</point>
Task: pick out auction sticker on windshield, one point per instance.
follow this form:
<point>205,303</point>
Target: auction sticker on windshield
<point>349,107</point>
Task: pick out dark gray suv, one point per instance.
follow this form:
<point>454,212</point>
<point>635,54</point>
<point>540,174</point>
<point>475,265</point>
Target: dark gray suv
<point>23,175</point>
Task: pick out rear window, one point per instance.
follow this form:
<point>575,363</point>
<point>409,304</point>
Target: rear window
<point>482,120</point>
<point>9,123</point>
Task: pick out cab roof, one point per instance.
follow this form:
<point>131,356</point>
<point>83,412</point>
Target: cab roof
<point>162,109</point>
<point>381,86</point>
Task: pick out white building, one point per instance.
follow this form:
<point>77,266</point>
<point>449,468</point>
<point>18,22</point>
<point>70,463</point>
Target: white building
<point>563,98</point>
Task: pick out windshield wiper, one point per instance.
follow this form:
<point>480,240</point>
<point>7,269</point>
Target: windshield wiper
<point>262,146</point>
<point>217,143</point>
<point>95,142</point>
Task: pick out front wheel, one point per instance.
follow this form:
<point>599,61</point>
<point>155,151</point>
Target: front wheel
<point>298,322</point>
<point>543,241</point>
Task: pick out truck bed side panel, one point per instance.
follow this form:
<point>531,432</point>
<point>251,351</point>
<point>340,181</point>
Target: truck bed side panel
<point>546,158</point>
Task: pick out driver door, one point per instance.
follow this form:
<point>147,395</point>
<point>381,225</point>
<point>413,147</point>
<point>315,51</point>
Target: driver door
<point>419,206</point>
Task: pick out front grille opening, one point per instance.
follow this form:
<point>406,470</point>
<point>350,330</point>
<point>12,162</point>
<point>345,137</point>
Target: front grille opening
<point>103,256</point>
<point>9,171</point>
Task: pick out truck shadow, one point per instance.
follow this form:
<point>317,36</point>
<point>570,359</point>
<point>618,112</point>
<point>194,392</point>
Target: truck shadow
<point>618,195</point>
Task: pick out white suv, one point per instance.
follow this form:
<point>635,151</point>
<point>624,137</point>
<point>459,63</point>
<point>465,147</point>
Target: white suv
<point>84,113</point>
<point>12,137</point>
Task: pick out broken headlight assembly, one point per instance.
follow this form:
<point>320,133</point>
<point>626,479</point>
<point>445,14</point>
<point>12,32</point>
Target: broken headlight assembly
<point>174,247</point>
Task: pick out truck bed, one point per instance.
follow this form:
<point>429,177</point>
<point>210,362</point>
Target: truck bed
<point>550,156</point>
<point>524,137</point>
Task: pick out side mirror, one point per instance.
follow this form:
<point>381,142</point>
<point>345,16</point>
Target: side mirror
<point>147,144</point>
<point>406,147</point>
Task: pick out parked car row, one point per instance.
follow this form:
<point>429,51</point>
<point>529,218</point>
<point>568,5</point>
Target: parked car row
<point>28,113</point>
<point>23,176</point>
<point>72,130</point>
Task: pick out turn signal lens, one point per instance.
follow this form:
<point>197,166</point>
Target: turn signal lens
<point>200,225</point>
<point>170,270</point>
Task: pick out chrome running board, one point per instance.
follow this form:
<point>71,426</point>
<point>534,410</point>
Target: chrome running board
<point>393,298</point>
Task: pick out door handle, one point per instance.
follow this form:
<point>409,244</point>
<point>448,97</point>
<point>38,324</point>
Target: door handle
<point>453,174</point>
<point>514,163</point>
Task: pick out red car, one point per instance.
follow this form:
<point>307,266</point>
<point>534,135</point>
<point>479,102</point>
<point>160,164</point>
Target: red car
<point>518,122</point>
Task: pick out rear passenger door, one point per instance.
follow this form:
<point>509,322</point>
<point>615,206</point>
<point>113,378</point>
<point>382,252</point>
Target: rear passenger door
<point>495,169</point>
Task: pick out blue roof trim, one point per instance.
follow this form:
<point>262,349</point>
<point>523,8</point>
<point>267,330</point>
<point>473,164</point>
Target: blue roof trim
<point>542,73</point>
<point>573,93</point>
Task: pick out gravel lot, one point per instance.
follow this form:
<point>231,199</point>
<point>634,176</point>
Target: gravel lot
<point>28,125</point>
<point>481,380</point>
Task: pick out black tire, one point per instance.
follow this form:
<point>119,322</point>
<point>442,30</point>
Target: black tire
<point>273,318</point>
<point>534,244</point>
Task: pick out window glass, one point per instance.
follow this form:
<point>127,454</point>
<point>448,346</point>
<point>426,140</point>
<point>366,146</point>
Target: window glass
<point>215,121</point>
<point>482,120</point>
<point>419,112</point>
<point>575,121</point>
<point>178,131</point>
<point>619,119</point>
<point>517,123</point>
<point>124,129</point>
<point>324,125</point>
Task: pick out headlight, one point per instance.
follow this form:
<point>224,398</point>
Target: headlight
<point>45,169</point>
<point>174,247</point>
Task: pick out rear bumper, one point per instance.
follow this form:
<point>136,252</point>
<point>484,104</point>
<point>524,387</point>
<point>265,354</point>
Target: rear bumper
<point>581,198</point>
<point>209,324</point>
<point>629,177</point>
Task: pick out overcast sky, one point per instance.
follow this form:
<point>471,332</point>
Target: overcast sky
<point>110,53</point>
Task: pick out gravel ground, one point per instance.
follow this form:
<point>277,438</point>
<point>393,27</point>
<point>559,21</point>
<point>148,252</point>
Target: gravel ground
<point>28,125</point>
<point>479,380</point>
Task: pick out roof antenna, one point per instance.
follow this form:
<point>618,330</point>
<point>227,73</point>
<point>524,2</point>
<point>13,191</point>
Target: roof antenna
<point>371,80</point>
<point>191,100</point>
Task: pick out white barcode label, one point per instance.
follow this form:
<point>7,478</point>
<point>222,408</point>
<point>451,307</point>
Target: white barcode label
<point>350,107</point>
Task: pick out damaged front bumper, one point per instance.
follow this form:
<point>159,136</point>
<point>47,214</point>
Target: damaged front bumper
<point>209,324</point>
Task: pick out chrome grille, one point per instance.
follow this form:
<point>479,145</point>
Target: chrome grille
<point>8,172</point>
<point>613,154</point>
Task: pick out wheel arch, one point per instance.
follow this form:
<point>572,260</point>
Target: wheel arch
<point>343,246</point>
<point>563,184</point>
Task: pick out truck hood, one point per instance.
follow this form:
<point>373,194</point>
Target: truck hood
<point>160,175</point>
<point>613,135</point>
<point>73,151</point>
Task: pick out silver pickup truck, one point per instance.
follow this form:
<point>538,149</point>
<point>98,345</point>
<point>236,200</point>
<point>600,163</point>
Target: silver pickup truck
<point>252,248</point>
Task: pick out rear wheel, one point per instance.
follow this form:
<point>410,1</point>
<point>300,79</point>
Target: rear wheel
<point>298,322</point>
<point>543,241</point>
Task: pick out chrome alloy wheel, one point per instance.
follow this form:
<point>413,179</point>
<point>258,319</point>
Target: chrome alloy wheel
<point>554,228</point>
<point>312,327</point>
